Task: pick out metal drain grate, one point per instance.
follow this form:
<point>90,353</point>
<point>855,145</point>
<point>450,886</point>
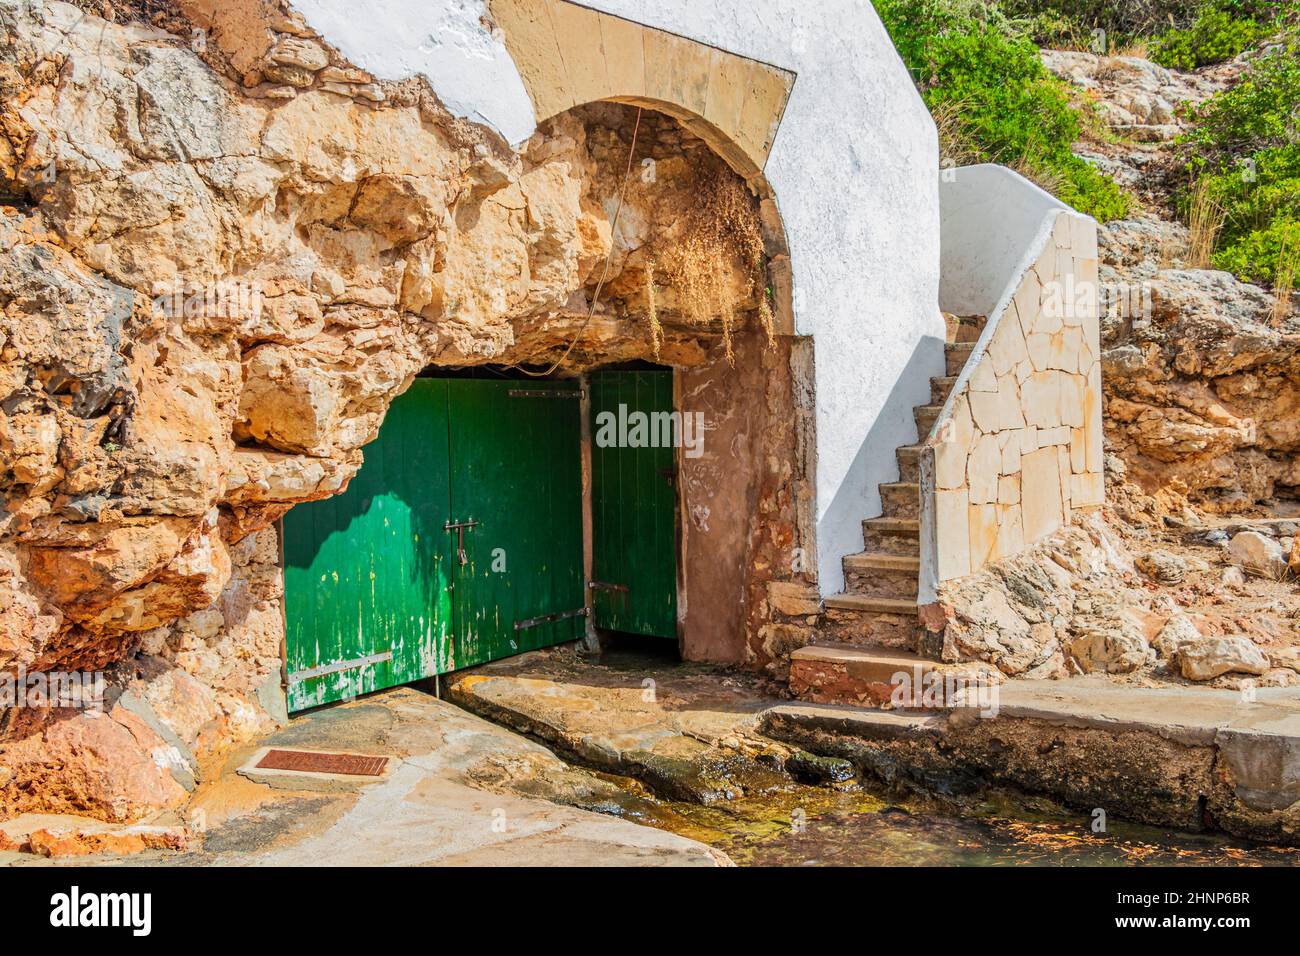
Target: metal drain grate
<point>309,762</point>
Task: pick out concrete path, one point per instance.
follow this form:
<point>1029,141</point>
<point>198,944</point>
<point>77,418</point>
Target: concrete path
<point>464,792</point>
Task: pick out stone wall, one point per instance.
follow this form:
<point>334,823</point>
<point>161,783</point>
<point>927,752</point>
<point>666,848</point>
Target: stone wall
<point>749,586</point>
<point>1018,445</point>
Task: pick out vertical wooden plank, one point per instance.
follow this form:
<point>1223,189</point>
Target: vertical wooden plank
<point>364,570</point>
<point>634,511</point>
<point>516,462</point>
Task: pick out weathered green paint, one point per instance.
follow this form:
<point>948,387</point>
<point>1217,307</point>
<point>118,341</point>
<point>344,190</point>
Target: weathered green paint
<point>366,572</point>
<point>634,510</point>
<point>516,456</point>
<point>374,570</point>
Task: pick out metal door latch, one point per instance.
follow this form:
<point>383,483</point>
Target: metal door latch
<point>459,527</point>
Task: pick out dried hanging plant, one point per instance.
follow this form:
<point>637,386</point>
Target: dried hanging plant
<point>656,330</point>
<point>721,231</point>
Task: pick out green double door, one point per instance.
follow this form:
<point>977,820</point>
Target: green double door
<point>458,542</point>
<point>633,502</point>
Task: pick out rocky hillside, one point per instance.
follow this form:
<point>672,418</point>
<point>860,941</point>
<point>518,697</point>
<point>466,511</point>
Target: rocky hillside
<point>1202,371</point>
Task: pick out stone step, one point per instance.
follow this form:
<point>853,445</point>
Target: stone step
<point>854,674</point>
<point>909,462</point>
<point>872,605</point>
<point>868,620</point>
<point>926,416</point>
<point>877,561</point>
<point>900,499</point>
<point>955,355</point>
<point>941,388</point>
<point>892,535</point>
<point>880,574</point>
<point>965,328</point>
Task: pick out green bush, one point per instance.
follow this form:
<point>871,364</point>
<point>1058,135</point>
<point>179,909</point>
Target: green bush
<point>1244,142</point>
<point>1217,33</point>
<point>967,62</point>
<point>1257,256</point>
<point>1070,23</point>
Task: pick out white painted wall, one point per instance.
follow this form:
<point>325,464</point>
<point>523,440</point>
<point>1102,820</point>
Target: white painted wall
<point>989,218</point>
<point>855,172</point>
<point>469,68</point>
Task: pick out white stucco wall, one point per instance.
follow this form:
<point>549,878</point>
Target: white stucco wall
<point>990,218</point>
<point>855,172</point>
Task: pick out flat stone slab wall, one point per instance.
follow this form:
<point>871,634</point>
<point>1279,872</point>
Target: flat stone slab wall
<point>1018,446</point>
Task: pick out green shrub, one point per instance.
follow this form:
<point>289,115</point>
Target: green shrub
<point>1129,17</point>
<point>967,61</point>
<point>1217,33</point>
<point>1245,144</point>
<point>1260,112</point>
<point>1070,23</point>
<point>1257,256</point>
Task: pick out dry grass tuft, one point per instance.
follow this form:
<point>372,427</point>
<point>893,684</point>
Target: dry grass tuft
<point>1110,68</point>
<point>721,233</point>
<point>956,146</point>
<point>1284,281</point>
<point>1204,220</point>
<point>652,310</point>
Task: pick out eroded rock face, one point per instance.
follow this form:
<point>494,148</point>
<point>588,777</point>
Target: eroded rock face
<point>222,263</point>
<point>1201,376</point>
<point>1022,614</point>
<point>1200,370</point>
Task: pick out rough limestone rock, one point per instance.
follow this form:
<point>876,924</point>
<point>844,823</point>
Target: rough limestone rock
<point>219,264</point>
<point>1202,386</point>
<point>1163,567</point>
<point>1134,95</point>
<point>1178,632</point>
<point>1029,613</point>
<point>1257,552</point>
<point>1212,657</point>
<point>1201,372</point>
<point>1110,650</point>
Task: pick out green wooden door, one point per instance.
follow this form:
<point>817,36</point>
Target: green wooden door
<point>376,593</point>
<point>634,504</point>
<point>516,457</point>
<point>367,604</point>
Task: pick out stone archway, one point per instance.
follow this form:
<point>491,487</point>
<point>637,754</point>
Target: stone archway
<point>569,55</point>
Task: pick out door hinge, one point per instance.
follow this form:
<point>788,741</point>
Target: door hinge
<point>622,590</point>
<point>550,618</point>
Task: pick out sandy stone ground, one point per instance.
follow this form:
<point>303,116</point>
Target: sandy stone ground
<point>464,792</point>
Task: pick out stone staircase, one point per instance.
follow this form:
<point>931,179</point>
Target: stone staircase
<point>870,631</point>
